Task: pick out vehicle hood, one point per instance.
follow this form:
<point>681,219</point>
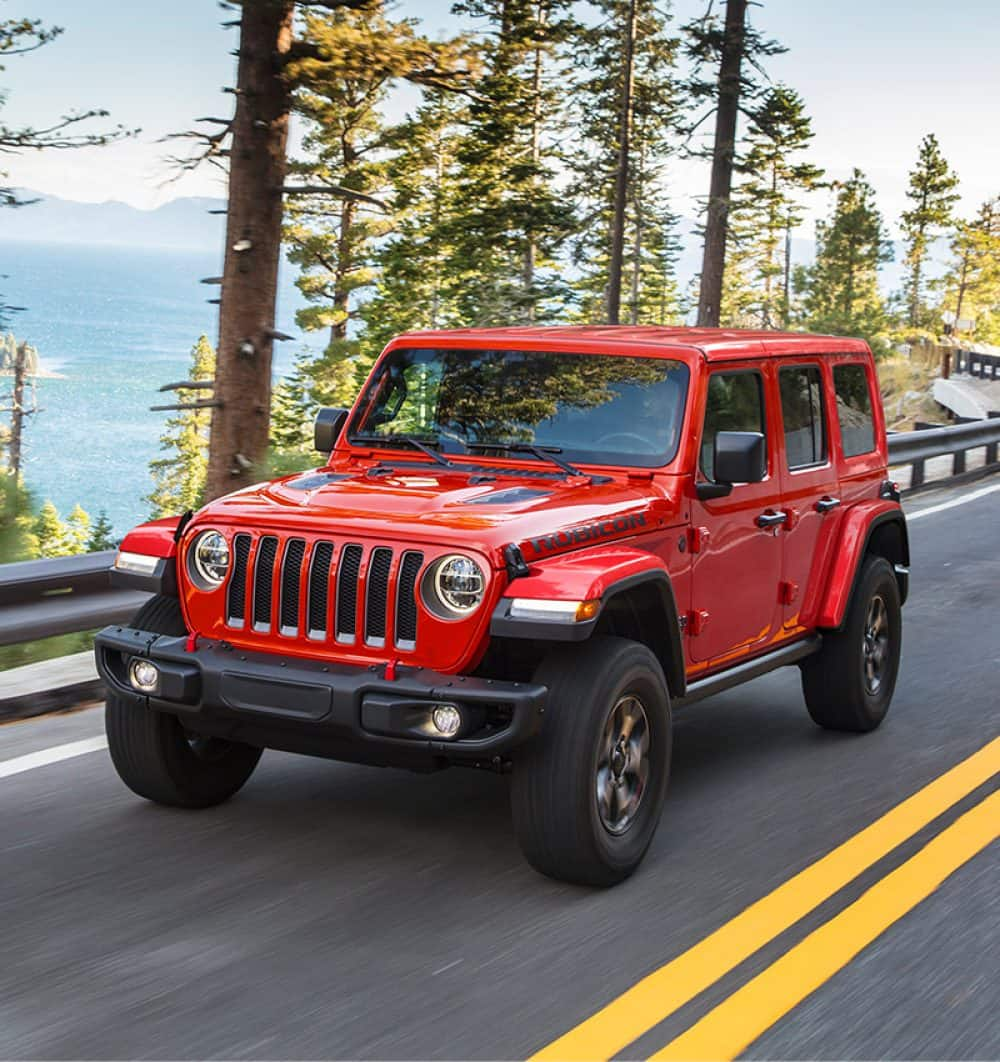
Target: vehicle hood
<point>423,504</point>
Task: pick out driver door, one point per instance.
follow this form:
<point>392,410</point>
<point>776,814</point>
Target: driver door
<point>736,563</point>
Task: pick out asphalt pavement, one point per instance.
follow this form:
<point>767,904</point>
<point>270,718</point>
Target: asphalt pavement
<point>350,912</point>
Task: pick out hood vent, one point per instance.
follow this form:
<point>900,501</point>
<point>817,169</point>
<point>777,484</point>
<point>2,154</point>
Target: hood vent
<point>513,496</point>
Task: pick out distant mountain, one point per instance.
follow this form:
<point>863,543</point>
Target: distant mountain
<point>187,224</point>
<point>179,224</point>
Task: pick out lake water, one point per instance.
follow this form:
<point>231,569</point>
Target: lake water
<point>116,323</point>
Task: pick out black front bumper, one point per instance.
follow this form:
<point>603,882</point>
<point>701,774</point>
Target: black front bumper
<point>320,708</point>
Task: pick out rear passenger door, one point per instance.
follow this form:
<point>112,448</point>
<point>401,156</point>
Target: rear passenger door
<point>808,486</point>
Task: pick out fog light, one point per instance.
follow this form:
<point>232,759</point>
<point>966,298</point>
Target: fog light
<point>144,675</point>
<point>446,719</point>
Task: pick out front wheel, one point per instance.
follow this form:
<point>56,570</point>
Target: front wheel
<point>155,756</point>
<point>849,683</point>
<point>587,793</point>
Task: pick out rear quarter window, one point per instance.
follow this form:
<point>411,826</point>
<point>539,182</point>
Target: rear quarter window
<point>854,409</point>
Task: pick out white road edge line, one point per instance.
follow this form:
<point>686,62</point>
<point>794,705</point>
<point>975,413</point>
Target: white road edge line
<point>44,757</point>
<point>963,500</point>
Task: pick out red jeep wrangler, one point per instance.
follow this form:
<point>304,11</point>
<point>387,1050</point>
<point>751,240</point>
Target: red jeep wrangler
<point>526,548</point>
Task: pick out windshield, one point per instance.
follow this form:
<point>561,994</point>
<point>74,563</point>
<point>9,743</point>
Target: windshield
<point>602,408</point>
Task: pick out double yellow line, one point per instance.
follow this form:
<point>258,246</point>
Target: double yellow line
<point>751,1010</point>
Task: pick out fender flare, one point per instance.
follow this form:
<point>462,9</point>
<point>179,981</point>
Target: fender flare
<point>603,575</point>
<point>158,539</point>
<point>860,524</point>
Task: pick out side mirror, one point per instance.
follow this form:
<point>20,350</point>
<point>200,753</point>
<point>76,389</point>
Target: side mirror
<point>329,424</point>
<point>739,457</point>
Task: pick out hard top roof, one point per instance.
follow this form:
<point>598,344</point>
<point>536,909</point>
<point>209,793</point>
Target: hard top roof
<point>716,344</point>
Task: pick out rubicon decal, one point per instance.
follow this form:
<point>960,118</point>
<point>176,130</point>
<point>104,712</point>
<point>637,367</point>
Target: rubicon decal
<point>588,533</point>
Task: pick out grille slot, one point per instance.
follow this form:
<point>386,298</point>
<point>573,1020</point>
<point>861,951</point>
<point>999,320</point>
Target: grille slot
<point>236,596</point>
<point>377,590</point>
<point>347,593</point>
<point>406,600</point>
<point>319,590</point>
<point>291,583</point>
<point>263,580</point>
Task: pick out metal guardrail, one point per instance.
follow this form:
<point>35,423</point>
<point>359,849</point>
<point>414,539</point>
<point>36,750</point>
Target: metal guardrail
<point>916,447</point>
<point>60,595</point>
<point>63,595</point>
<point>967,361</point>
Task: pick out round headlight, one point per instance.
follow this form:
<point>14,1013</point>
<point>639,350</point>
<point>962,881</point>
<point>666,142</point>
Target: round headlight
<point>210,558</point>
<point>459,584</point>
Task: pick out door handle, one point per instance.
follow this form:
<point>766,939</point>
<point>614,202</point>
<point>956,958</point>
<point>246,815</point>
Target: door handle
<point>771,519</point>
<point>824,505</point>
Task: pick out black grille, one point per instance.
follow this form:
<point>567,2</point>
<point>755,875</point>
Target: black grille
<point>302,604</point>
<point>406,601</point>
<point>378,595</point>
<point>236,601</point>
<point>347,593</point>
<point>263,579</point>
<point>291,582</point>
<point>319,589</point>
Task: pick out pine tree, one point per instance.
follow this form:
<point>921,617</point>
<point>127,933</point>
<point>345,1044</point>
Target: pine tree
<point>839,291</point>
<point>179,477</point>
<point>513,221</point>
<point>604,104</point>
<point>17,523</point>
<point>765,207</point>
<point>420,278</point>
<point>932,193</point>
<point>736,49</point>
<point>102,534</point>
<point>971,286</point>
<point>53,536</point>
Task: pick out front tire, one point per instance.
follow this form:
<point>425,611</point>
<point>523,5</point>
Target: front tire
<point>152,752</point>
<point>849,683</point>
<point>588,791</point>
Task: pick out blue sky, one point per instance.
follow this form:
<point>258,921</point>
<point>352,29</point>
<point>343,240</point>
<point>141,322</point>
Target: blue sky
<point>876,75</point>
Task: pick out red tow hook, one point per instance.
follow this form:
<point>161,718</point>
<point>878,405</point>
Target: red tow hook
<point>191,644</point>
<point>390,670</point>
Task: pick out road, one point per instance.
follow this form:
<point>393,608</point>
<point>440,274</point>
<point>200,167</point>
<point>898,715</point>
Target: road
<point>334,911</point>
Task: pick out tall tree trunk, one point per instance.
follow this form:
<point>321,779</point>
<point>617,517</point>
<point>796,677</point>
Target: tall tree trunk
<point>240,424</point>
<point>614,294</point>
<point>17,412</point>
<point>786,309</point>
<point>963,285</point>
<point>530,247</point>
<point>341,294</point>
<point>723,154</point>
<point>640,178</point>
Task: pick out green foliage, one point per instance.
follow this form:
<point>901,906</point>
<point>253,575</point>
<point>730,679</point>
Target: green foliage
<point>179,477</point>
<point>839,293</point>
<point>56,538</point>
<point>971,287</point>
<point>102,534</point>
<point>933,195</point>
<point>766,205</point>
<point>650,294</point>
<point>513,221</point>
<point>356,56</point>
<point>17,537</point>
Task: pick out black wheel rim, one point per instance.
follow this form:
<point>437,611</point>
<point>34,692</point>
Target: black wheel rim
<point>622,764</point>
<point>875,649</point>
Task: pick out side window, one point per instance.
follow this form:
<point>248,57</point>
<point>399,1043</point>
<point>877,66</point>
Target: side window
<point>854,409</point>
<point>735,403</point>
<point>802,415</point>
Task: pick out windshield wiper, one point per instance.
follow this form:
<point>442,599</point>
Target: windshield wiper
<point>404,440</point>
<point>543,453</point>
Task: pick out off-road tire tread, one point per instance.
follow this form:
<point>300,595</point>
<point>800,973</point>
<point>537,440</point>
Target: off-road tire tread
<point>552,820</point>
<point>149,750</point>
<point>832,682</point>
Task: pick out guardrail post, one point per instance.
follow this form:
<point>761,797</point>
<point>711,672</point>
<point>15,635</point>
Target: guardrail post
<point>958,463</point>
<point>917,474</point>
